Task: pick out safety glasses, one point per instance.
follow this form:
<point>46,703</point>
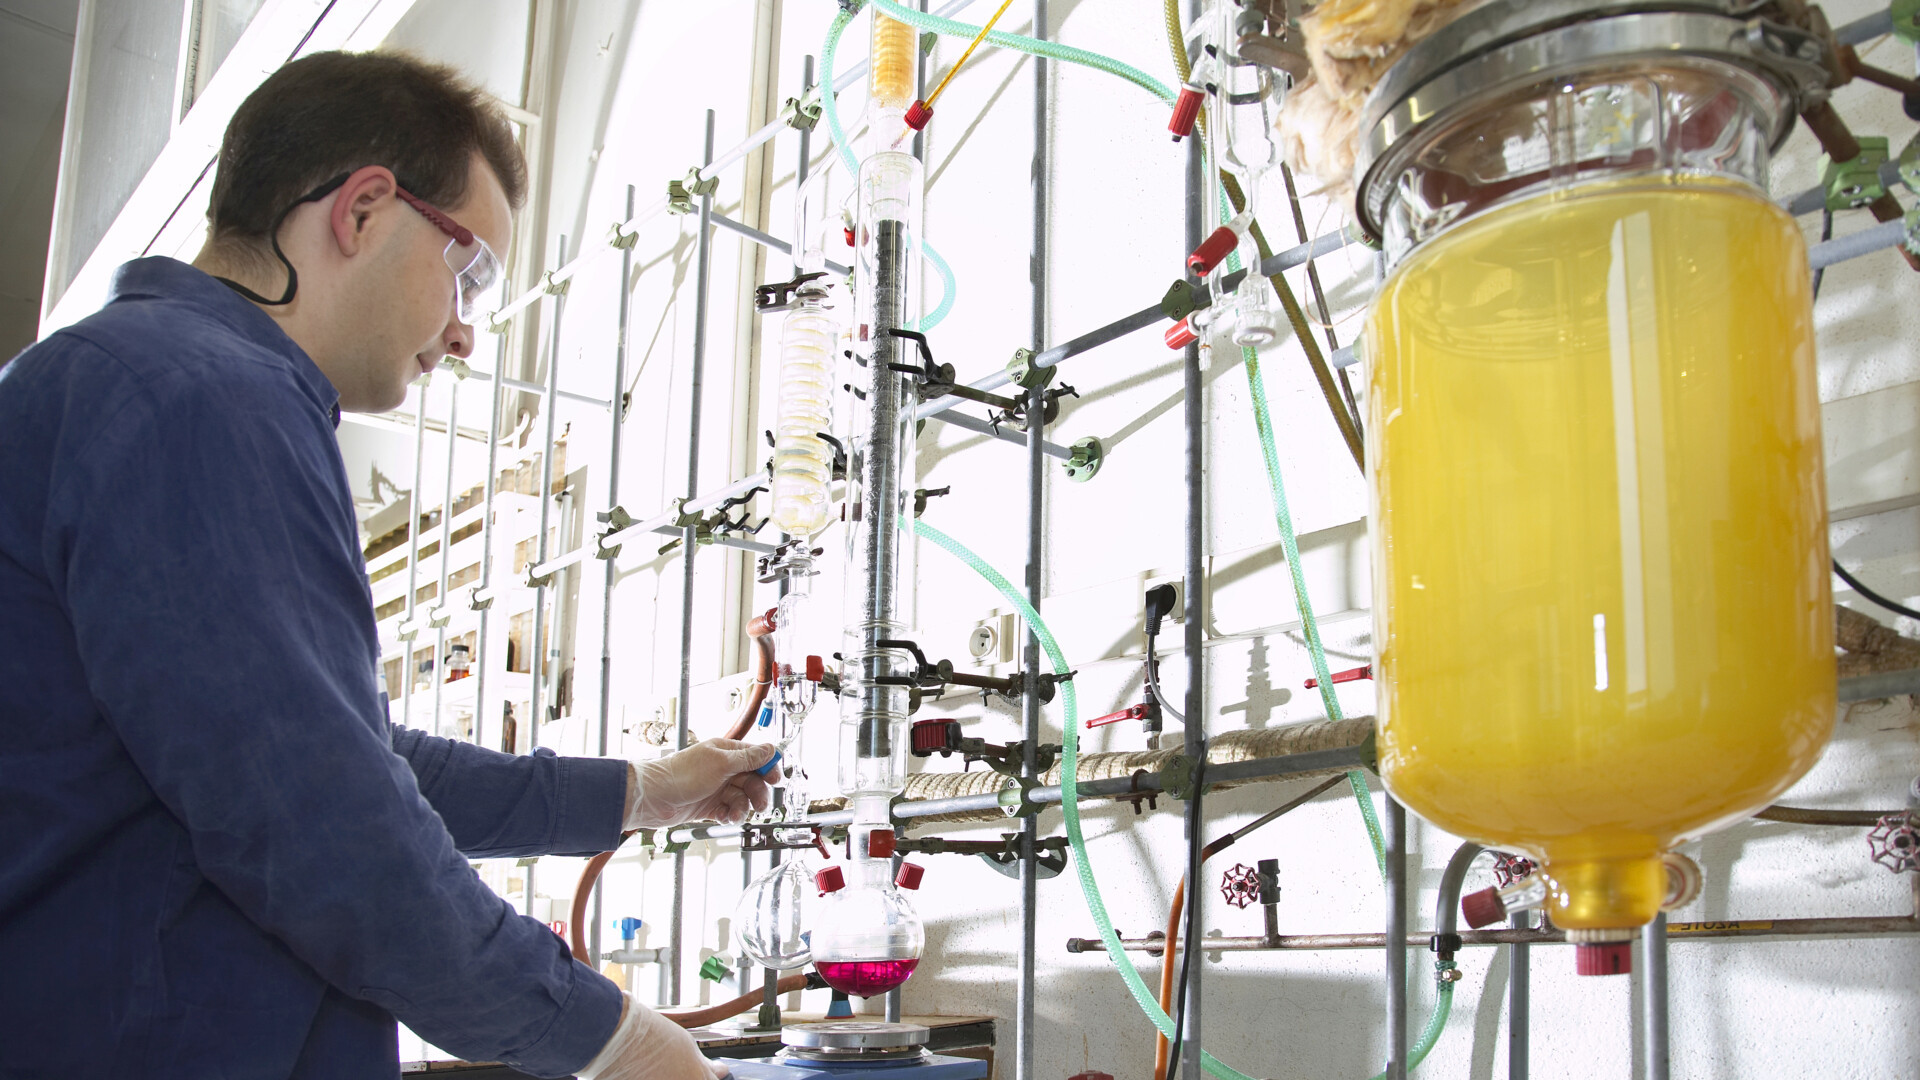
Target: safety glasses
<point>476,269</point>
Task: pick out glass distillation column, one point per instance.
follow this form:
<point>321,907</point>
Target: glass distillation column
<point>877,677</point>
<point>1242,100</point>
<point>1602,607</point>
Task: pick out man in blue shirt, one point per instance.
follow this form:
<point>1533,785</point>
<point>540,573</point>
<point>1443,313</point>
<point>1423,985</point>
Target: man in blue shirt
<point>217,859</point>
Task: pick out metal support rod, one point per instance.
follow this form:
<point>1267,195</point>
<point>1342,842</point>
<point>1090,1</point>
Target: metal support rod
<point>1519,999</point>
<point>972,423</point>
<point>702,264</point>
<point>438,612</point>
<point>538,390</point>
<point>615,423</point>
<point>1024,1035</point>
<point>480,656</point>
<point>768,241</point>
<point>537,653</point>
<point>1653,996</point>
<point>413,555</point>
<point>1194,415</point>
<point>1396,940</point>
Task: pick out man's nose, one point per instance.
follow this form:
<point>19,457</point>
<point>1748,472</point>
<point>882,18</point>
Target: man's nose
<point>457,338</point>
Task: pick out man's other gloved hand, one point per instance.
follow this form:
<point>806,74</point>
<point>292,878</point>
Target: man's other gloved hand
<point>712,780</point>
<point>648,1046</point>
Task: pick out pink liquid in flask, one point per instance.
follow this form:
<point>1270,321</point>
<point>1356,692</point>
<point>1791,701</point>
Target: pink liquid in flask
<point>866,978</point>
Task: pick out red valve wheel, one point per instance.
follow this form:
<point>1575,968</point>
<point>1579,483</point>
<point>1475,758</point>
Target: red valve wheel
<point>1895,843</point>
<point>1508,869</point>
<point>1240,885</point>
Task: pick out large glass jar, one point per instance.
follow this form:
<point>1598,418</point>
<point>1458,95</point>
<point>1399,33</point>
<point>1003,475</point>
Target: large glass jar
<point>1601,601</point>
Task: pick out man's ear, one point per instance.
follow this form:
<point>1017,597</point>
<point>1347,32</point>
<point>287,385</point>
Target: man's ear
<point>363,192</point>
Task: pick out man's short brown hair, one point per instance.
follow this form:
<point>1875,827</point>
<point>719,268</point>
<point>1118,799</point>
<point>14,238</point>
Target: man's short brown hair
<point>333,112</point>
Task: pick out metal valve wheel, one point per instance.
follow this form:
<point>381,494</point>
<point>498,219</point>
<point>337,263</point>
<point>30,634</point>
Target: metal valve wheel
<point>1895,843</point>
<point>1240,885</point>
<point>1508,869</point>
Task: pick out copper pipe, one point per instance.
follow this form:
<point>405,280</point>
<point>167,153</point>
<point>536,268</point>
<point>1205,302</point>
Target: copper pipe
<point>1850,59</point>
<point>1796,815</point>
<point>760,631</point>
<point>713,1014</point>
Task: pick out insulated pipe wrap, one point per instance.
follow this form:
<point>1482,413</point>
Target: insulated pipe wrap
<point>1232,746</point>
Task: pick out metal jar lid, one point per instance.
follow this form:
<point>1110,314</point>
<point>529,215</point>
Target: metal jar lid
<point>854,1035</point>
<point>1509,43</point>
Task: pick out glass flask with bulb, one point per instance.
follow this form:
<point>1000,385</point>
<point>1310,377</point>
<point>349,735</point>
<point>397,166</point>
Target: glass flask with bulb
<point>1602,608</point>
<point>771,917</point>
<point>866,937</point>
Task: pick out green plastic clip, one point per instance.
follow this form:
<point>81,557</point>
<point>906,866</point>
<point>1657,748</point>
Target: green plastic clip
<point>1906,20</point>
<point>681,193</point>
<point>1085,462</point>
<point>1856,182</point>
<point>714,969</point>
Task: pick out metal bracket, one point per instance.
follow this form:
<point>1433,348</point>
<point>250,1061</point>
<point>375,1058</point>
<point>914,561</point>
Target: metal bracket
<point>1182,299</point>
<point>438,616</point>
<point>1178,776</point>
<point>1852,184</point>
<point>921,495</point>
<point>1906,20</point>
<point>1085,462</point>
<point>620,239</point>
<point>681,193</point>
<point>556,288</point>
<point>784,295</point>
<point>1024,374</point>
<point>801,114</point>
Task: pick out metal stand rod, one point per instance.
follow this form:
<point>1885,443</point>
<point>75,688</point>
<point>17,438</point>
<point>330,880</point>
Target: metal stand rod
<point>480,653</point>
<point>537,653</point>
<point>438,612</point>
<point>615,425</point>
<point>1194,415</point>
<point>1024,1034</point>
<point>1396,940</point>
<point>1653,996</point>
<point>1519,999</point>
<point>413,556</point>
<point>703,258</point>
<point>766,240</point>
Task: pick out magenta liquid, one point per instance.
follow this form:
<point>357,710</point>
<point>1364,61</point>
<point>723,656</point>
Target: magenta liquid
<point>866,978</point>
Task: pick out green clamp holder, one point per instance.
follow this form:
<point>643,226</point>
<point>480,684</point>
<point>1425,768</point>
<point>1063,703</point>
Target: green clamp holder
<point>1909,164</point>
<point>556,287</point>
<point>1912,242</point>
<point>460,368</point>
<point>614,518</point>
<point>681,193</point>
<point>1854,183</point>
<point>1177,777</point>
<point>1183,298</point>
<point>1085,462</point>
<point>1906,20</point>
<point>669,846</point>
<point>714,969</point>
<point>1021,371</point>
<point>801,114</point>
<point>620,239</point>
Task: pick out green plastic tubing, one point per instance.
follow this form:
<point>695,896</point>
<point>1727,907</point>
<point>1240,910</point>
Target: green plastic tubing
<point>829,108</point>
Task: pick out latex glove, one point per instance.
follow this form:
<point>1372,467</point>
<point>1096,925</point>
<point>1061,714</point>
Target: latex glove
<point>648,1046</point>
<point>714,780</point>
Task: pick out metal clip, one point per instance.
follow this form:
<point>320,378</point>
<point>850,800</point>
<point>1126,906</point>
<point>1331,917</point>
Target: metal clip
<point>620,239</point>
<point>680,193</point>
<point>784,295</point>
<point>801,114</point>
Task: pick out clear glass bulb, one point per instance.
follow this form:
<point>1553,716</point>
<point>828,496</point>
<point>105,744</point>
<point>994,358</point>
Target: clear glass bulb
<point>771,918</point>
<point>866,938</point>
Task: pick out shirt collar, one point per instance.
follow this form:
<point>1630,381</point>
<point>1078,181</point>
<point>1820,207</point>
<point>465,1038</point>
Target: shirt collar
<point>171,280</point>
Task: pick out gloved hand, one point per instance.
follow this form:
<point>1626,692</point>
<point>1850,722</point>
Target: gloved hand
<point>712,780</point>
<point>648,1046</point>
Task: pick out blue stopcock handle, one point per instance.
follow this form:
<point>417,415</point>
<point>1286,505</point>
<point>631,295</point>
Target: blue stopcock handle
<point>772,763</point>
<point>766,715</point>
<point>628,926</point>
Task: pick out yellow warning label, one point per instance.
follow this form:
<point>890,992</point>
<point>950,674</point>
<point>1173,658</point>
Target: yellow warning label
<point>1715,927</point>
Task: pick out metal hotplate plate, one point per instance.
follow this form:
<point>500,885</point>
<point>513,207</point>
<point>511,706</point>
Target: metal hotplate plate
<point>854,1035</point>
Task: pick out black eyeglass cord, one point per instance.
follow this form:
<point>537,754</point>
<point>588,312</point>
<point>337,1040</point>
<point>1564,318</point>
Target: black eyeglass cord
<point>273,240</point>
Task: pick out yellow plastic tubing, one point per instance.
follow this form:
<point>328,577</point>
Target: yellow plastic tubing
<point>1601,595</point>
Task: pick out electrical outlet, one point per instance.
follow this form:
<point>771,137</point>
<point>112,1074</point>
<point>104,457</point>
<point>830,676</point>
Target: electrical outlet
<point>1179,583</point>
<point>991,641</point>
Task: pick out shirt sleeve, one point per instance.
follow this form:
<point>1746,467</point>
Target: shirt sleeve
<point>499,805</point>
<point>204,545</point>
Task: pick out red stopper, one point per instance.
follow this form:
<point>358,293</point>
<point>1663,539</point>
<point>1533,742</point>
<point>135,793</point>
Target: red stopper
<point>816,669</point>
<point>849,231</point>
<point>1611,958</point>
<point>909,875</point>
<point>1483,908</point>
<point>880,844</point>
<point>1211,250</point>
<point>1180,335</point>
<point>1186,109</point>
<point>830,880</point>
<point>918,114</point>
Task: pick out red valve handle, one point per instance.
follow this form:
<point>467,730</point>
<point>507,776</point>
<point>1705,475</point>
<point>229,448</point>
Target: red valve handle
<point>1215,247</point>
<point>1131,712</point>
<point>1352,675</point>
<point>1181,334</point>
<point>816,669</point>
<point>1186,110</point>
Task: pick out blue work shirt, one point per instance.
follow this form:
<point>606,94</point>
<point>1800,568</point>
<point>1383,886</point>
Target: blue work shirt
<point>217,858</point>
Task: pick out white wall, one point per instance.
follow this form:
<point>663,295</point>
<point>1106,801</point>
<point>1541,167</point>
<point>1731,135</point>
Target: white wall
<point>631,91</point>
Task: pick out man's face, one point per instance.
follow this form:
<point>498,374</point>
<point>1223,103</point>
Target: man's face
<point>401,308</point>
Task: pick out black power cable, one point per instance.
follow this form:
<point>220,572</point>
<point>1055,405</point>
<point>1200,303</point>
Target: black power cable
<point>1188,946</point>
<point>1854,584</point>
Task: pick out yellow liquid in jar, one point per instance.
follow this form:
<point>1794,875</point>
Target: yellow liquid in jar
<point>1602,604</point>
<point>895,56</point>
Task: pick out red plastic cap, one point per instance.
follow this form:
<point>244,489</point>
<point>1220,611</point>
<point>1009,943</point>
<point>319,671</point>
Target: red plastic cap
<point>1186,109</point>
<point>1611,958</point>
<point>1211,250</point>
<point>849,231</point>
<point>1180,335</point>
<point>918,114</point>
<point>1483,908</point>
<point>909,875</point>
<point>816,669</point>
<point>830,880</point>
<point>880,844</point>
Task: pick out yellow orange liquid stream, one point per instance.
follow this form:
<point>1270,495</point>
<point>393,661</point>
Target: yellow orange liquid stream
<point>1602,600</point>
